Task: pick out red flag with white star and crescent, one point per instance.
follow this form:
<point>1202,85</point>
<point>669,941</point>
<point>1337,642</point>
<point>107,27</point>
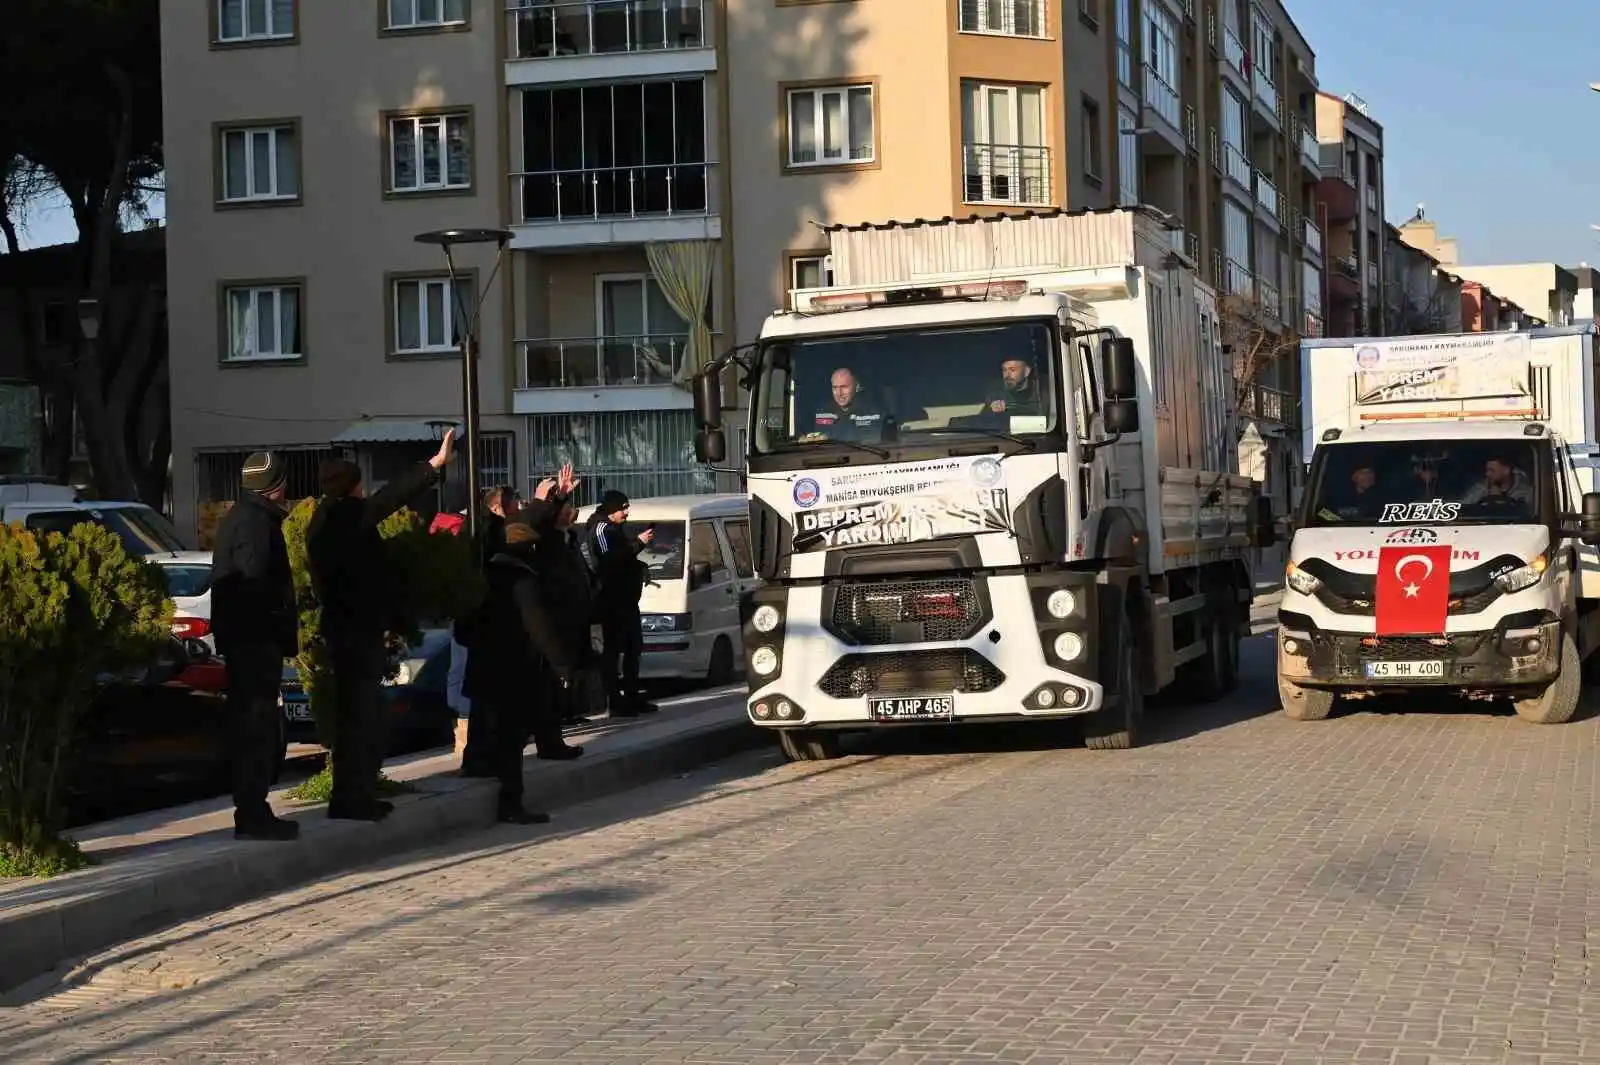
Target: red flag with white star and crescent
<point>1413,593</point>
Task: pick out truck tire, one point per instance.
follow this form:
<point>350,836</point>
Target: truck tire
<point>810,745</point>
<point>1305,704</point>
<point>1556,704</point>
<point>1118,730</point>
<point>1217,674</point>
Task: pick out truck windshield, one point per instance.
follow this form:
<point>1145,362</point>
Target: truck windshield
<point>1440,481</point>
<point>907,385</point>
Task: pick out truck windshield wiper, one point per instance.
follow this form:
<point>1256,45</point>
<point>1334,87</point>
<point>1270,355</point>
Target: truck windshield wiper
<point>993,434</point>
<point>798,445</point>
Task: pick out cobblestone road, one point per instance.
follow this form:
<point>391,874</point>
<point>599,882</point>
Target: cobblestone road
<point>1379,888</point>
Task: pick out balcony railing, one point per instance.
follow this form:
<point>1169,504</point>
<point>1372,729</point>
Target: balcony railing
<point>1233,49</point>
<point>1313,237</point>
<point>1267,404</point>
<point>1191,128</point>
<point>1161,97</point>
<point>1266,194</point>
<point>1270,298</point>
<point>1309,147</point>
<point>1346,265</point>
<point>1236,166</point>
<point>1191,246</point>
<point>1331,163</point>
<point>654,191</point>
<point>1007,173</point>
<point>1240,282</point>
<point>599,27</point>
<point>1011,18</point>
<point>589,362</point>
<point>1266,92</point>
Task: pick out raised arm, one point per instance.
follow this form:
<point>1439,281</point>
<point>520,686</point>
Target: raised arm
<point>403,489</point>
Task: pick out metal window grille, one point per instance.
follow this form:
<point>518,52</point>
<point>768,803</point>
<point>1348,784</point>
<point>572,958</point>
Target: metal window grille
<point>640,453</point>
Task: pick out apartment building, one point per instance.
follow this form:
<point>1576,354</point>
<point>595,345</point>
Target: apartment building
<point>1350,210</point>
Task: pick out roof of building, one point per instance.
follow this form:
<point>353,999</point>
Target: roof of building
<point>1015,216</point>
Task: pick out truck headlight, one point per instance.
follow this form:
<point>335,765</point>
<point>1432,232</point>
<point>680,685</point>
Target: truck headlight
<point>1300,581</point>
<point>1060,604</point>
<point>766,618</point>
<point>1523,576</point>
<point>764,661</point>
<point>1069,645</point>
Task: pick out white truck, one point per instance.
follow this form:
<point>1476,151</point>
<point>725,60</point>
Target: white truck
<point>1446,536</point>
<point>1000,489</point>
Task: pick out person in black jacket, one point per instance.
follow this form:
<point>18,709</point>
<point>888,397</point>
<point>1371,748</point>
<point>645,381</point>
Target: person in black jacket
<point>356,588</point>
<point>516,637</point>
<point>499,503</point>
<point>256,625</point>
<point>622,577</point>
<point>565,584</point>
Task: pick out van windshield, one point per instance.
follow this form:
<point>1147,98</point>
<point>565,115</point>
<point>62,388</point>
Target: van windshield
<point>664,554</point>
<point>1434,481</point>
<point>141,530</point>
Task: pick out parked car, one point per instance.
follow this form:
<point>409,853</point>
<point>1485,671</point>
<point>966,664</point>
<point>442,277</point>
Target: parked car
<point>188,575</point>
<point>419,715</point>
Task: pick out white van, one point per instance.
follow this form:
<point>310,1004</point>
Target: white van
<point>700,564</point>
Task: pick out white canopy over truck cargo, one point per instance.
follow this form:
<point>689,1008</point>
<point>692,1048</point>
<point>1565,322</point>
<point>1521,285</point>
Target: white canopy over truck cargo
<point>1447,533</point>
<point>996,493</point>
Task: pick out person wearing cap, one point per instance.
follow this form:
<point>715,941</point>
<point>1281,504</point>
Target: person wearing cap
<point>257,626</point>
<point>357,589</point>
<point>621,575</point>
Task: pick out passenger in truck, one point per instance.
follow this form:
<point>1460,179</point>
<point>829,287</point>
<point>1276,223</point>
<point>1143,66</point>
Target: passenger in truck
<point>848,414</point>
<point>1018,395</point>
<point>1503,484</point>
<point>1359,501</point>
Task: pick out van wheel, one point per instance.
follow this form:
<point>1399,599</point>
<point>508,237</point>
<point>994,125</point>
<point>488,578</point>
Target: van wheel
<point>720,671</point>
<point>1118,730</point>
<point>1305,704</point>
<point>810,745</point>
<point>1559,700</point>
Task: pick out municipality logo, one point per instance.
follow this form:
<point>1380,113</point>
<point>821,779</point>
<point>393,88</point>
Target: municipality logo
<point>986,472</point>
<point>807,492</point>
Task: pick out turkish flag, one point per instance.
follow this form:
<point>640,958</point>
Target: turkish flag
<point>1413,589</point>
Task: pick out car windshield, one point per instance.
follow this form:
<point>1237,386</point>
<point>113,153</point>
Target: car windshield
<point>664,553</point>
<point>141,530</point>
<point>186,581</point>
<point>907,385</point>
<point>1399,481</point>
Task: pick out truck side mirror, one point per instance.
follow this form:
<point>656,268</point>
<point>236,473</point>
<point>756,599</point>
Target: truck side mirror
<point>1266,531</point>
<point>1120,416</point>
<point>710,446</point>
<point>708,397</point>
<point>1118,370</point>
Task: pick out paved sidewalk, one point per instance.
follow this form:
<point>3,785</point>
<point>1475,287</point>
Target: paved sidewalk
<point>169,865</point>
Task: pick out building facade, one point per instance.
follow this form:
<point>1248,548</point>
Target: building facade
<point>1350,207</point>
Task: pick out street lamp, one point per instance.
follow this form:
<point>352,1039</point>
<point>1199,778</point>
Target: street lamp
<point>447,239</point>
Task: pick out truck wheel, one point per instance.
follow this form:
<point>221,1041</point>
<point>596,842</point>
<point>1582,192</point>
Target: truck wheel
<point>810,745</point>
<point>1118,730</point>
<point>1217,674</point>
<point>1305,704</point>
<point>1559,701</point>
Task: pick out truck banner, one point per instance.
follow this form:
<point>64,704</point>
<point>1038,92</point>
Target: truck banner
<point>909,503</point>
<point>1451,367</point>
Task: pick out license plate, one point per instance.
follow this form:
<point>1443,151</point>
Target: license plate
<point>296,707</point>
<point>913,708</point>
<point>1416,670</point>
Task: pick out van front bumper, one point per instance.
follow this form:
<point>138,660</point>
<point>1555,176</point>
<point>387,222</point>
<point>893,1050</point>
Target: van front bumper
<point>1507,656</point>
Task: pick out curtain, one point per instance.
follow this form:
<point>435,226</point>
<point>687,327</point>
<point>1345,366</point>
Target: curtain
<point>683,270</point>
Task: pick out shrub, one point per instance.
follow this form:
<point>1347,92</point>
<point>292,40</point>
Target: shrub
<point>438,582</point>
<point>76,608</point>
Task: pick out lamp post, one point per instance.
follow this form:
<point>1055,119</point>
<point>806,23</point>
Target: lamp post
<point>447,240</point>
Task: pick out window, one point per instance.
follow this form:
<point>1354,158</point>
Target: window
<point>1233,118</point>
<point>254,20</point>
<point>422,14</point>
<point>1128,156</point>
<point>1125,42</point>
<point>738,533</point>
<point>810,271</point>
<point>424,318</point>
<point>1236,232</point>
<point>1089,12</point>
<point>1158,344</point>
<point>1002,132</point>
<point>642,335</point>
<point>1093,165</point>
<point>1262,59</point>
<point>263,322</point>
<point>430,153</point>
<point>831,126</point>
<point>705,547</point>
<point>260,163</point>
<point>1161,44</point>
<point>1015,18</point>
<point>58,324</point>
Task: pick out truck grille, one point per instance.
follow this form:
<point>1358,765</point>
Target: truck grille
<point>957,669</point>
<point>920,611</point>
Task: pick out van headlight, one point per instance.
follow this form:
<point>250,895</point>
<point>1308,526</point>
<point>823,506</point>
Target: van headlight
<point>1300,581</point>
<point>1523,576</point>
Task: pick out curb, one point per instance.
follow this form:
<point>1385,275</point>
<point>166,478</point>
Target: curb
<point>145,892</point>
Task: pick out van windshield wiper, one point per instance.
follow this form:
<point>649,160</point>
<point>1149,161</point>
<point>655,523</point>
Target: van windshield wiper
<point>993,434</point>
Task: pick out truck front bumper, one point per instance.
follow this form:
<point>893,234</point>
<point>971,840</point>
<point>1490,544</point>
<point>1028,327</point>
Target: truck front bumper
<point>1514,654</point>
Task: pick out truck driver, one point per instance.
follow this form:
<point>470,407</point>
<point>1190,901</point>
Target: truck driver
<point>1018,395</point>
<point>848,415</point>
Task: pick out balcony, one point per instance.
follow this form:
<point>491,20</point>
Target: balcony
<point>1370,198</point>
<point>1343,279</point>
<point>615,205</point>
<point>1266,195</point>
<point>1191,129</point>
<point>1191,246</point>
<point>1162,98</point>
<point>1313,238</point>
<point>1270,298</point>
<point>600,362</point>
<point>1239,281</point>
<point>1233,50</point>
<point>1267,96</point>
<point>1006,18</point>
<point>1266,404</point>
<point>1310,150</point>
<point>664,36</point>
<point>1007,173</point>
<point>1236,166</point>
<point>1312,326</point>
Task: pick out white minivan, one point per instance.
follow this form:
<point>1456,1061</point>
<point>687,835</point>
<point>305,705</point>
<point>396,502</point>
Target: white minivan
<point>700,564</point>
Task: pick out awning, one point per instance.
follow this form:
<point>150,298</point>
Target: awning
<point>395,430</point>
